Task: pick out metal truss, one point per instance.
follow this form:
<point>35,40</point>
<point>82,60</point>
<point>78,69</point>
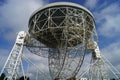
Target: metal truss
<point>63,33</point>
<point>98,70</point>
<point>11,67</point>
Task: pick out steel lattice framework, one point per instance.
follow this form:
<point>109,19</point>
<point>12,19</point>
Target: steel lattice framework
<point>61,31</point>
<point>13,63</point>
<point>98,70</point>
<point>54,25</point>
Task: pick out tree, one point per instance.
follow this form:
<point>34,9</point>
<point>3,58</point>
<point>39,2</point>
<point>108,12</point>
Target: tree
<point>24,78</point>
<point>2,77</point>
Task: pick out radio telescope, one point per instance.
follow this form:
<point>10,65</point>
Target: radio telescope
<point>61,31</point>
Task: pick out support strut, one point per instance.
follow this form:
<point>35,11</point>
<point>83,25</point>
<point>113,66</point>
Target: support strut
<point>13,63</point>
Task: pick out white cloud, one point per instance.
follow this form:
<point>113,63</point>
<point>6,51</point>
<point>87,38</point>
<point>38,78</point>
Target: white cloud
<point>111,9</point>
<point>14,14</point>
<point>91,3</point>
<point>39,64</point>
<point>35,58</point>
<point>110,27</point>
<point>112,53</point>
<point>3,57</point>
<point>109,20</point>
<point>85,66</point>
<point>4,52</point>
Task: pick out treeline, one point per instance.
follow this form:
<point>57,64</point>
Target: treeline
<point>3,77</point>
<point>114,79</point>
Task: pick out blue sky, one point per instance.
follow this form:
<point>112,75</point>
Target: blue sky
<point>14,16</point>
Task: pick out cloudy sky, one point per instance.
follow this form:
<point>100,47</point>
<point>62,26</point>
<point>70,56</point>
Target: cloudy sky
<point>14,16</point>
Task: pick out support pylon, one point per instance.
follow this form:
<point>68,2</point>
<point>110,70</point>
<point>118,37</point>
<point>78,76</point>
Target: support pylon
<point>13,63</point>
<point>97,70</point>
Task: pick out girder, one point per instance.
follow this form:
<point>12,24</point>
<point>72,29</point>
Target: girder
<point>11,67</point>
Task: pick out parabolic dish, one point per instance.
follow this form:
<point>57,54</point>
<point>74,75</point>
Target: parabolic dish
<point>61,32</point>
<point>61,24</point>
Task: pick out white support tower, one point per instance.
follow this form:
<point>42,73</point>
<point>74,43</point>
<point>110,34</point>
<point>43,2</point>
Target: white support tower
<point>11,67</point>
<point>63,32</point>
<point>97,70</point>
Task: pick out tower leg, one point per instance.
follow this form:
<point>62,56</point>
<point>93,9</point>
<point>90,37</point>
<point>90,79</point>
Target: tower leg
<point>98,70</point>
<point>11,67</point>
